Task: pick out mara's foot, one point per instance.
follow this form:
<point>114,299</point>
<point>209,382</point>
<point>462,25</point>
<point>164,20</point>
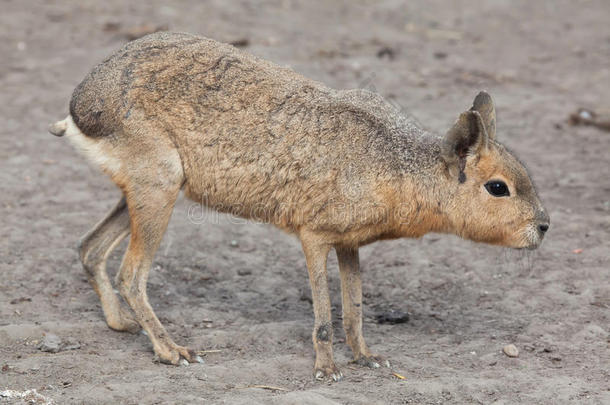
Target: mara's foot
<point>372,361</point>
<point>177,355</point>
<point>330,372</point>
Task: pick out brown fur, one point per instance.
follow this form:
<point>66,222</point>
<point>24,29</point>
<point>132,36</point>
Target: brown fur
<point>339,169</point>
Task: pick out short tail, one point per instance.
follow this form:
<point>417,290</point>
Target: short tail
<point>59,128</point>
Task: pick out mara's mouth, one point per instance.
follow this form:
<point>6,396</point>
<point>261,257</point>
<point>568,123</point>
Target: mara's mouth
<point>530,239</point>
<point>527,237</point>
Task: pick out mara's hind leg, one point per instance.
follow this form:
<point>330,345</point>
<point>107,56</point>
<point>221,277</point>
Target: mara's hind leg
<point>150,209</point>
<point>94,249</point>
<point>144,163</point>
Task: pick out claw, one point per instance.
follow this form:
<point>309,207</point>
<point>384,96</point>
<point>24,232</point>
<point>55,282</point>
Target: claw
<point>179,356</point>
<point>372,362</point>
<point>332,373</point>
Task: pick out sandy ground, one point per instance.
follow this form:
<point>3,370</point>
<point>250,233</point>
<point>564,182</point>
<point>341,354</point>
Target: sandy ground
<point>242,289</point>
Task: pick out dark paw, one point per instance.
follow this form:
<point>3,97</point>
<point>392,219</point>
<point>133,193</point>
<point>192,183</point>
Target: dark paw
<point>188,356</point>
<point>372,361</point>
<point>178,356</point>
<point>331,373</point>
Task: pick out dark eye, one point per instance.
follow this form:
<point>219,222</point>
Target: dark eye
<point>497,188</point>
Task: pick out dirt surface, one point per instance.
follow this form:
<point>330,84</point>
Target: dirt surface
<point>241,289</point>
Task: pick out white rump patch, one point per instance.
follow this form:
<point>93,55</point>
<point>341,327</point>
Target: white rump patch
<point>98,151</point>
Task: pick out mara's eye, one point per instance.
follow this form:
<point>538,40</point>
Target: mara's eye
<point>497,188</point>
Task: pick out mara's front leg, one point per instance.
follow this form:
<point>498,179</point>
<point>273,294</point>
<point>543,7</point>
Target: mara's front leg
<point>351,295</point>
<point>316,253</point>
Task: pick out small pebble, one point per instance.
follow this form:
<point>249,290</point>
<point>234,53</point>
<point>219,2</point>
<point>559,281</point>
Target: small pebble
<point>511,350</point>
<point>234,243</point>
<point>585,115</point>
<point>50,343</point>
<point>386,52</point>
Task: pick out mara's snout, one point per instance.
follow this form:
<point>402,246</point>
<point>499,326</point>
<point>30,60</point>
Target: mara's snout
<point>537,229</point>
<point>171,112</point>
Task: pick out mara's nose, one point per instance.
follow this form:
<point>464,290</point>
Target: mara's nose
<point>543,228</point>
<point>543,221</point>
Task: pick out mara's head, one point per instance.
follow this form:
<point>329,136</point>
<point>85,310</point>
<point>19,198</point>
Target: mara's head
<point>493,199</point>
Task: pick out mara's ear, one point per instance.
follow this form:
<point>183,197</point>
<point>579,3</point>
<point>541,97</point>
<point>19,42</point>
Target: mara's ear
<point>484,105</point>
<point>466,137</point>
